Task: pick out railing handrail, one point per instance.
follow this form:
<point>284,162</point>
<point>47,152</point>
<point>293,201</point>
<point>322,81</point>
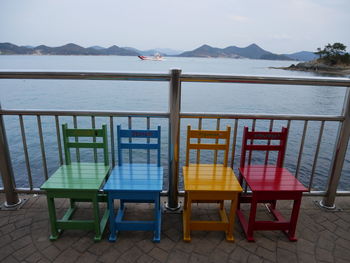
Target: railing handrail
<point>262,116</point>
<point>161,114</point>
<point>78,75</point>
<point>99,113</point>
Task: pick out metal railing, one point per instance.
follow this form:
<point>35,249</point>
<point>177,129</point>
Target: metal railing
<point>174,116</point>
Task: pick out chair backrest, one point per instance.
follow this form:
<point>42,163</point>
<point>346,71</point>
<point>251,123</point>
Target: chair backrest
<point>208,134</point>
<point>249,144</point>
<point>91,133</point>
<point>148,145</point>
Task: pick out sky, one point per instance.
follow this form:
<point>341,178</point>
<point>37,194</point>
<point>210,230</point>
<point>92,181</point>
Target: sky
<point>279,26</point>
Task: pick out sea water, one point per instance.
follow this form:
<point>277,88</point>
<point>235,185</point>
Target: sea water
<point>153,96</point>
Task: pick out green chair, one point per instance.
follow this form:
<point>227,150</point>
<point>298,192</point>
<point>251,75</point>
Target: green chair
<point>80,182</point>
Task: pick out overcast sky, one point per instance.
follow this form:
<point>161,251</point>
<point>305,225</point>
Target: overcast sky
<point>280,26</point>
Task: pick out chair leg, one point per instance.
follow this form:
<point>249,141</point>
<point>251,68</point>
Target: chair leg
<point>112,235</point>
<point>53,220</point>
<point>187,218</point>
<point>294,219</point>
<point>231,222</point>
<point>158,218</point>
<point>251,222</point>
<point>97,227</point>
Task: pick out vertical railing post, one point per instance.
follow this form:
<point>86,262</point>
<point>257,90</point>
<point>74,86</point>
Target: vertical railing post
<point>174,135</point>
<point>338,155</point>
<point>6,171</point>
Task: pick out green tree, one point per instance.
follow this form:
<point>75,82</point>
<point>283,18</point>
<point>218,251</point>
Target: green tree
<point>334,54</point>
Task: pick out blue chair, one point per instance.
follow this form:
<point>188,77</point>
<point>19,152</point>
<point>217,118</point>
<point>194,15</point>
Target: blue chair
<point>135,183</point>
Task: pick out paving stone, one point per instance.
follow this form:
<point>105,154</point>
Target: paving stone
<point>98,248</point>
<point>228,247</point>
<point>34,257</point>
<point>305,246</point>
<point>51,252</point>
<point>286,256</point>
<point>110,255</point>
<point>306,258</point>
<point>9,259</point>
<point>267,243</point>
<point>83,244</point>
<point>325,243</point>
<point>7,229</point>
<point>342,233</point>
<point>255,259</point>
<point>145,245</point>
<point>5,240</point>
<point>343,242</point>
<point>158,254</point>
<point>187,247</point>
<point>178,256</point>
<point>132,254</point>
<point>266,254</point>
<point>24,252</point>
<point>87,258</point>
<point>341,223</point>
<point>6,251</point>
<point>4,221</point>
<point>204,247</point>
<point>166,244</point>
<point>123,244</point>
<point>324,255</point>
<point>197,258</point>
<point>67,256</point>
<point>342,252</point>
<point>218,256</point>
<point>145,259</point>
<point>18,233</point>
<point>287,245</point>
<point>239,255</point>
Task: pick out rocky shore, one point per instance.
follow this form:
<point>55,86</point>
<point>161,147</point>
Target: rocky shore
<point>319,67</point>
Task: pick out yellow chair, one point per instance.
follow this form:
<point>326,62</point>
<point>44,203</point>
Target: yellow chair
<point>209,183</point>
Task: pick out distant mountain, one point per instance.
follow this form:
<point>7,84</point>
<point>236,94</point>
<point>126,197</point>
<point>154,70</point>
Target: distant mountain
<point>151,52</point>
<point>97,47</point>
<point>68,49</point>
<point>252,51</point>
<point>303,56</point>
<point>11,49</point>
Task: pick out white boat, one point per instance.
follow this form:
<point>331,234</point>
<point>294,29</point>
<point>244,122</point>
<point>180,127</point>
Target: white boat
<point>156,57</point>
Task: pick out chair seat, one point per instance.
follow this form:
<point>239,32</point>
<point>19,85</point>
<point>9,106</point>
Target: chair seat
<point>210,177</point>
<point>270,178</point>
<point>135,177</point>
<point>78,176</point>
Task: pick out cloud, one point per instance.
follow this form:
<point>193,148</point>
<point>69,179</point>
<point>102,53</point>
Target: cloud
<point>237,18</point>
<point>282,37</point>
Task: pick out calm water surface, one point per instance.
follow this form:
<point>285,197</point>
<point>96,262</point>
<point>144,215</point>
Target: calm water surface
<point>153,96</point>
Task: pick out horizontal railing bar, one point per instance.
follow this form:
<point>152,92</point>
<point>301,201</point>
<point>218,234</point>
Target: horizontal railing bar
<point>312,193</point>
<point>222,115</point>
<point>156,114</point>
<point>84,75</point>
<point>325,81</point>
<point>37,190</point>
<point>153,114</point>
<point>321,81</point>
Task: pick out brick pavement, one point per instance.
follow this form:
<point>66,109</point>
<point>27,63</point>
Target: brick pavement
<point>322,237</point>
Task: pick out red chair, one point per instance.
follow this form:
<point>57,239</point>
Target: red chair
<point>268,183</point>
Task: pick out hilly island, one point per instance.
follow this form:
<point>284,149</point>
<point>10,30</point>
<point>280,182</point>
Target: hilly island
<point>252,51</point>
